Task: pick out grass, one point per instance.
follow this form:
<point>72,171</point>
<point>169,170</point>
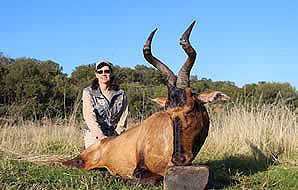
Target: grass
<point>16,174</point>
<point>248,147</point>
<point>277,177</point>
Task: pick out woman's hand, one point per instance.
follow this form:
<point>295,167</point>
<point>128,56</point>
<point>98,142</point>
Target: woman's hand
<point>103,138</point>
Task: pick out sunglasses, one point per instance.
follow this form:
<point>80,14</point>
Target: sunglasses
<point>103,71</point>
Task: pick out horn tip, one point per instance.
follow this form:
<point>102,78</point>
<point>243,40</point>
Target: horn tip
<point>148,42</point>
<point>154,30</point>
<point>187,32</point>
<point>192,24</point>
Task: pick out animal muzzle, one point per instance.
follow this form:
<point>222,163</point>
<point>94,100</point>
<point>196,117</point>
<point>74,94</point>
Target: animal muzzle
<point>182,159</point>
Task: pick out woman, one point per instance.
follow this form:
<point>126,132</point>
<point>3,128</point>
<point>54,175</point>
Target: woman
<point>105,106</point>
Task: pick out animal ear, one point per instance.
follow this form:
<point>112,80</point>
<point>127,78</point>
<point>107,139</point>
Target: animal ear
<point>212,96</point>
<point>162,101</point>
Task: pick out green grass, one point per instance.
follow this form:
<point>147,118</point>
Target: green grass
<point>275,177</point>
<point>231,172</point>
<point>18,174</point>
<point>249,172</point>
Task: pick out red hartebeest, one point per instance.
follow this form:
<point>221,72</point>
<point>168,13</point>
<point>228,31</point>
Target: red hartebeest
<point>170,137</point>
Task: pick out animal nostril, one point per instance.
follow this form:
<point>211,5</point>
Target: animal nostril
<point>178,160</point>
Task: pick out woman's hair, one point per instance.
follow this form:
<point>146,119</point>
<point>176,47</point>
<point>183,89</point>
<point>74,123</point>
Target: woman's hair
<point>112,84</point>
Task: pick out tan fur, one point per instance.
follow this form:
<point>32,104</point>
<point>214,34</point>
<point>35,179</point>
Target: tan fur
<point>121,154</point>
<point>212,96</point>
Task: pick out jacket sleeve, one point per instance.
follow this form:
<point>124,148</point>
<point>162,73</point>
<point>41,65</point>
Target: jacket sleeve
<point>121,125</point>
<point>89,114</point>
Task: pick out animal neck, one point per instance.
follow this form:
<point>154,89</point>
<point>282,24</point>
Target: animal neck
<point>104,146</point>
<point>96,154</point>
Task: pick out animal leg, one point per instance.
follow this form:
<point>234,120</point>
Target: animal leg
<point>154,179</point>
<point>142,175</point>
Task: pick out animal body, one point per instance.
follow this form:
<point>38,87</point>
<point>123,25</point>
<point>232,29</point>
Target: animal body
<point>170,137</point>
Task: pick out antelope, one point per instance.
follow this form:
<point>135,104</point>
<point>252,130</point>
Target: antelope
<point>170,137</point>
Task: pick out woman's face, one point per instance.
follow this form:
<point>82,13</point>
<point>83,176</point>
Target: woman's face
<point>104,74</point>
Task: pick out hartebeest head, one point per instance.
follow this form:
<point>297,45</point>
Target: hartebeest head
<point>190,118</point>
<point>176,85</point>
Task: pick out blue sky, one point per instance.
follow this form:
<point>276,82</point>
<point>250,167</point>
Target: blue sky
<point>242,41</point>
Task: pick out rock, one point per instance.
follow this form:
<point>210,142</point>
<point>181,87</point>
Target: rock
<point>186,178</point>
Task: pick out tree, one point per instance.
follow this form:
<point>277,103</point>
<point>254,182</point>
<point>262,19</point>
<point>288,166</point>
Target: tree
<point>31,86</point>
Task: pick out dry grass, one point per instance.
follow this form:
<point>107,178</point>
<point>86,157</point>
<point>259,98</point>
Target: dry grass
<point>238,130</point>
<point>271,130</point>
<point>41,141</point>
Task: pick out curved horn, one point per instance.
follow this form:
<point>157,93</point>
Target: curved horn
<point>171,78</point>
<point>183,76</point>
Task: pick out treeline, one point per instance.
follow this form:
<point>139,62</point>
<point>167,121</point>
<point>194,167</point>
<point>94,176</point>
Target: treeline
<point>33,89</point>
